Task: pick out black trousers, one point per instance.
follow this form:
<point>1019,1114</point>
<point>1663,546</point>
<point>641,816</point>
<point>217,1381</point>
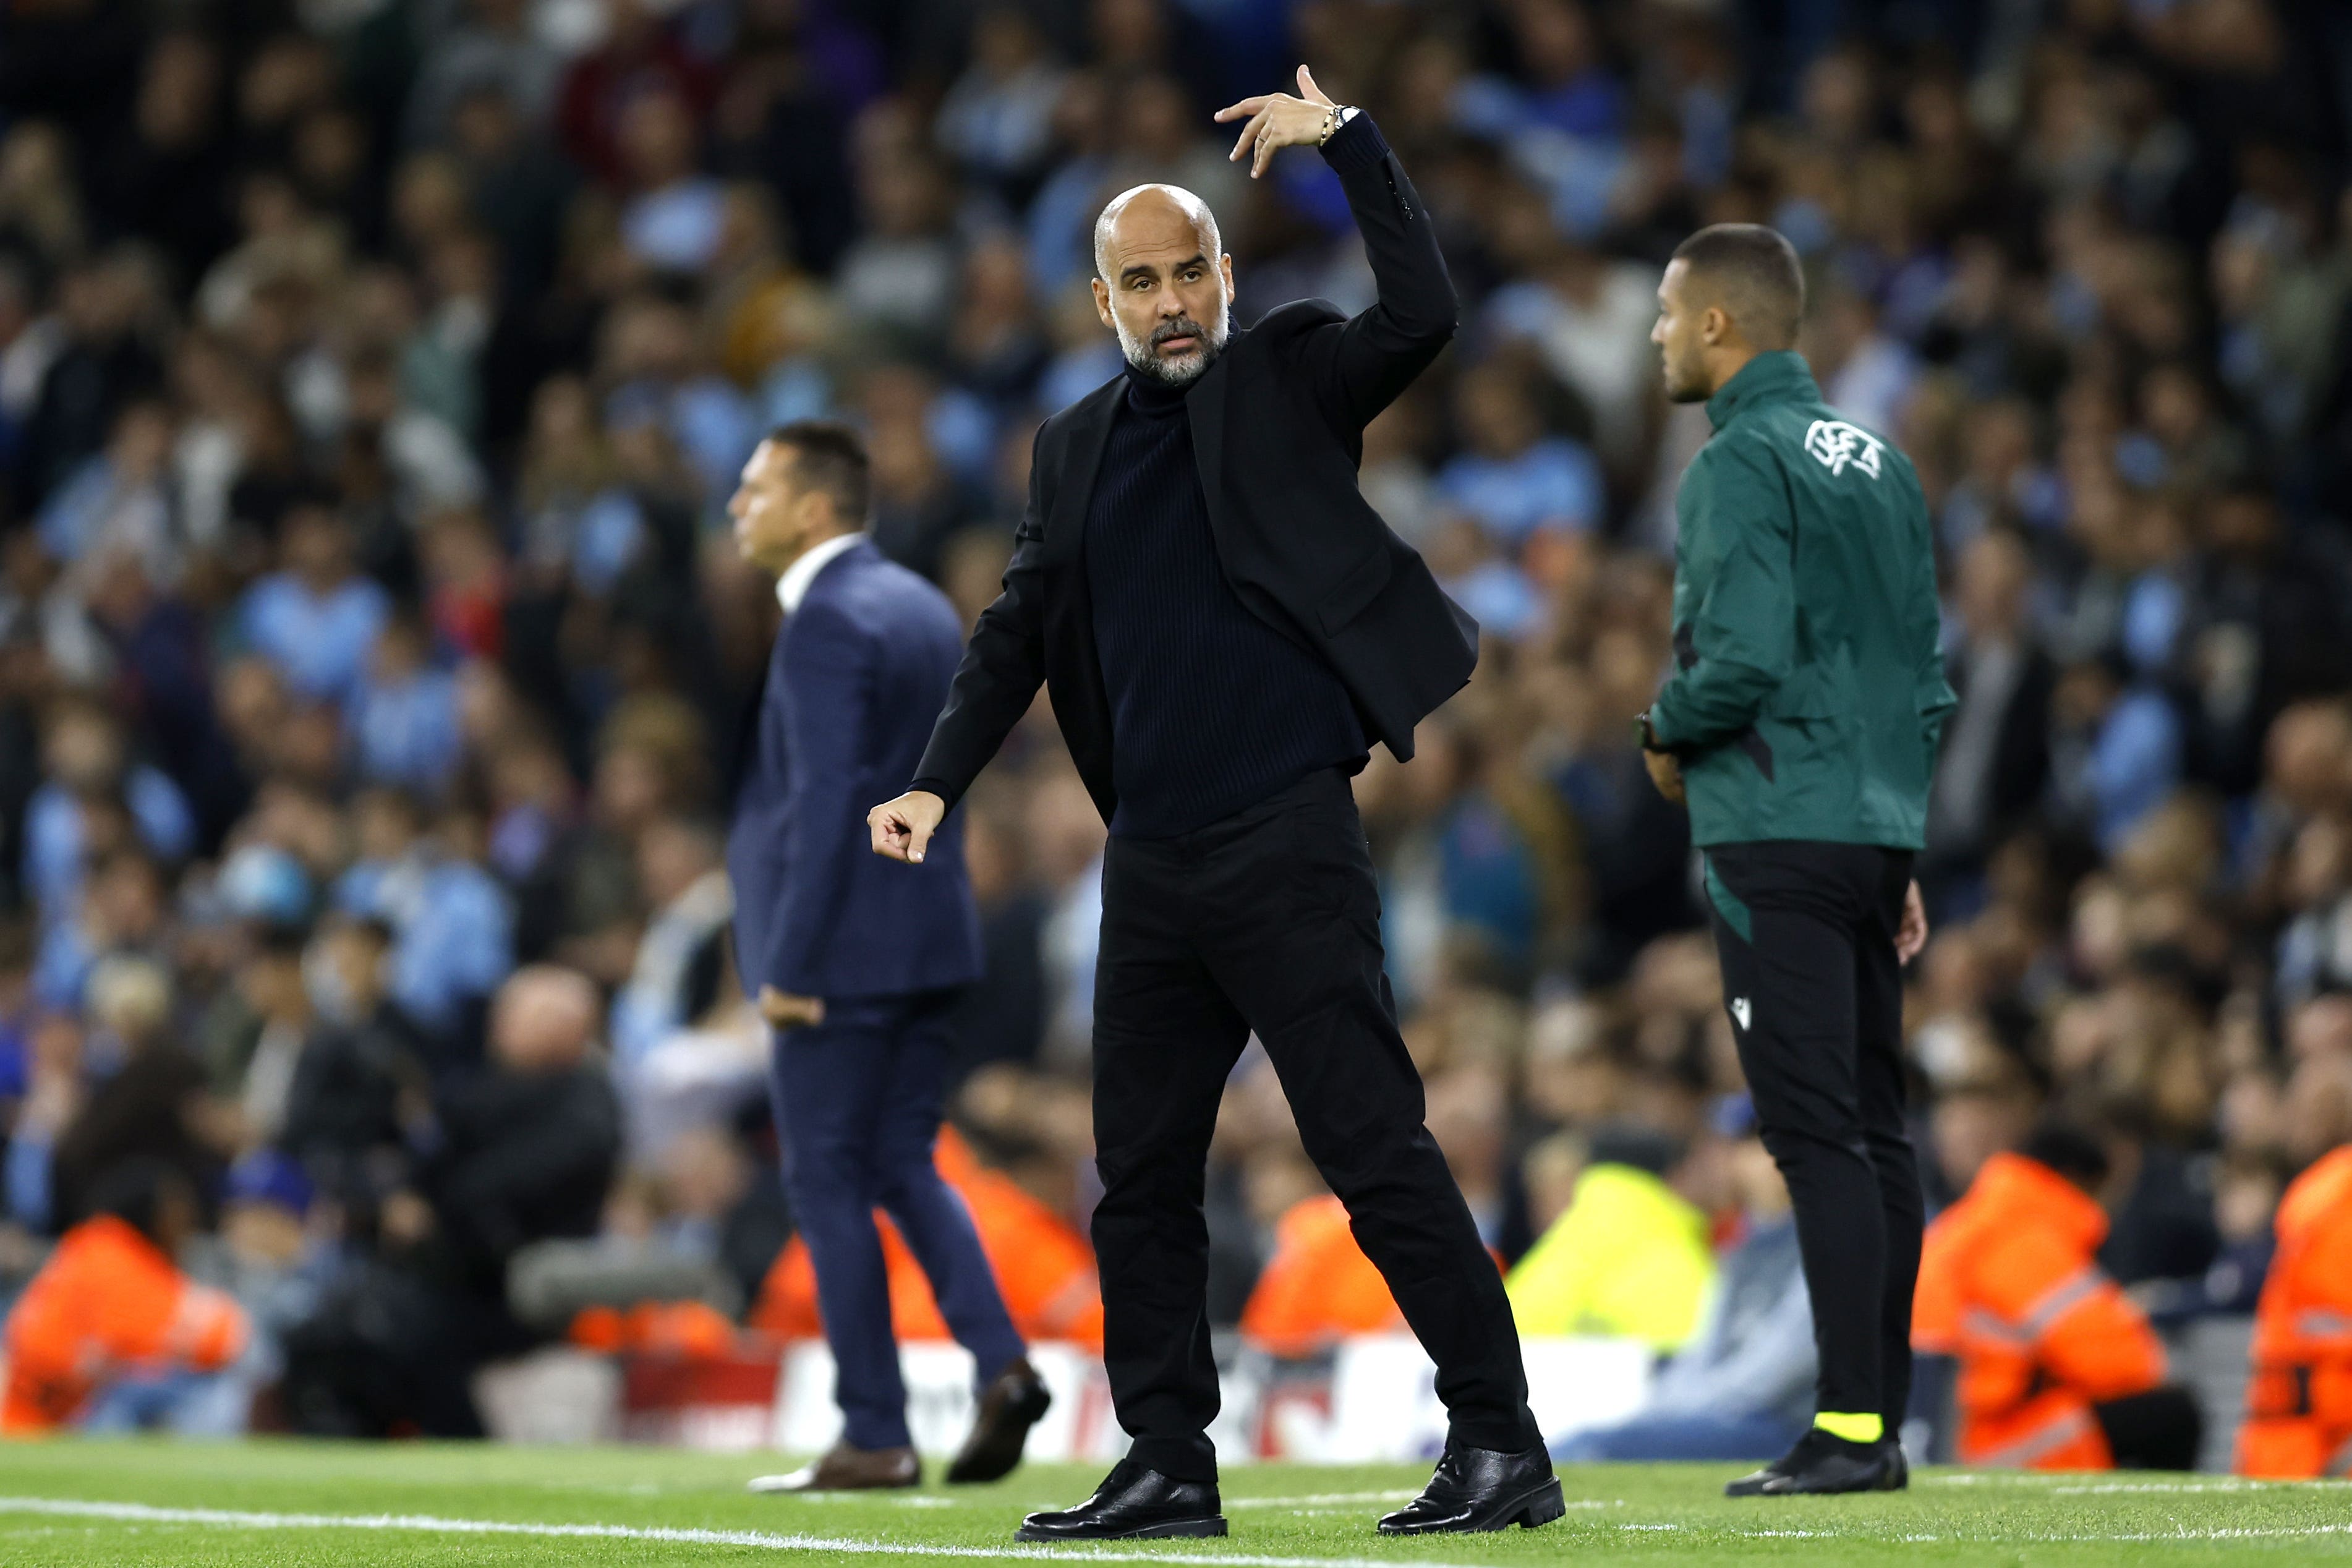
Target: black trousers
<point>1806,936</point>
<point>1268,921</point>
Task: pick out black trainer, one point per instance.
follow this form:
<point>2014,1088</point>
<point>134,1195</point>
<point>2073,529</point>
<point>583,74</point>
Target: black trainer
<point>1479,1489</point>
<point>1898,1467</point>
<point>1134,1502</point>
<point>1821,1464</point>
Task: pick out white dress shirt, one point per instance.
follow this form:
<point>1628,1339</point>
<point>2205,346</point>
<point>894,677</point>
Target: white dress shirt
<point>794,585</point>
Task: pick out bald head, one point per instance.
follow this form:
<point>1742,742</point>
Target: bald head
<point>1149,219</point>
<point>1163,282</point>
<point>543,1019</point>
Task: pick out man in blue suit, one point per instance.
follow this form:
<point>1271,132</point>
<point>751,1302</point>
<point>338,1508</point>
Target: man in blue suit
<point>855,962</point>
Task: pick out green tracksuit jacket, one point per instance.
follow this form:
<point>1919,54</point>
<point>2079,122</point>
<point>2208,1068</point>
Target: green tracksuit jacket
<point>1807,695</point>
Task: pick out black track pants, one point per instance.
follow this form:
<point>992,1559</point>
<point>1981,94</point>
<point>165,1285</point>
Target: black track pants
<point>1806,935</point>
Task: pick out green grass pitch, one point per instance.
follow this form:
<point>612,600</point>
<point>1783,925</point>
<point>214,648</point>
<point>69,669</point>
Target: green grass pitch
<point>262,1504</point>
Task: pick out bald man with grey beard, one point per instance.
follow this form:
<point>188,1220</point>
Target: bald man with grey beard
<point>1227,628</point>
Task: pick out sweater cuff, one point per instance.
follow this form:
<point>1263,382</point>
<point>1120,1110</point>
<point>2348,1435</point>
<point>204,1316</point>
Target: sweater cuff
<point>1357,144</point>
<point>935,786</point>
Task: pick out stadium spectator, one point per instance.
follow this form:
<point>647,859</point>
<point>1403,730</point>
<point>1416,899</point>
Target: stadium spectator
<point>525,1151</point>
<point>358,1084</point>
<point>2058,1368</point>
<point>317,617</point>
<point>154,1105</point>
<point>521,1152</point>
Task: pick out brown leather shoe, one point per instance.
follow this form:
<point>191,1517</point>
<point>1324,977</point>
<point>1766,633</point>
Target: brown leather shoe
<point>1013,1401</point>
<point>848,1469</point>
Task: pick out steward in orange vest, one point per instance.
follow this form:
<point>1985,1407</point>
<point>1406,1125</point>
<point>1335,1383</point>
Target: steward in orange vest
<point>1318,1287</point>
<point>2059,1369</point>
<point>2299,1400</point>
<point>110,1302</point>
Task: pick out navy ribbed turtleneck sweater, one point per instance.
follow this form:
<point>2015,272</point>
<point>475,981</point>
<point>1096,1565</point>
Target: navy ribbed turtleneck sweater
<point>1212,709</point>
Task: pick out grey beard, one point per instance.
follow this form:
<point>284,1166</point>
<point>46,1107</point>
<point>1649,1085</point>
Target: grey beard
<point>1145,357</point>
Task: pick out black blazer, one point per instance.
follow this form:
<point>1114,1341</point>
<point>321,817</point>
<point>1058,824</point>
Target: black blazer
<point>1278,432</point>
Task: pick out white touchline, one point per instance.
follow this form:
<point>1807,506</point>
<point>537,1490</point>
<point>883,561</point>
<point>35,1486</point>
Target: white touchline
<point>230,1519</point>
<point>426,1524</point>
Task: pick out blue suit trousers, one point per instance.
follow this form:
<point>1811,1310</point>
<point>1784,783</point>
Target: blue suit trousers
<point>857,1101</point>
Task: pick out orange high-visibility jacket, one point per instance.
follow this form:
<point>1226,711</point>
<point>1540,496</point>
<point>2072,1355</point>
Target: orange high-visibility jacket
<point>681,1330</point>
<point>1044,1268</point>
<point>1318,1286</point>
<point>2299,1399</point>
<point>2009,1285</point>
<point>107,1302</point>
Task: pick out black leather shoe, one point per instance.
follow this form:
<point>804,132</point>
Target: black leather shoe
<point>1821,1464</point>
<point>1479,1489</point>
<point>1898,1468</point>
<point>1133,1503</point>
<point>1012,1402</point>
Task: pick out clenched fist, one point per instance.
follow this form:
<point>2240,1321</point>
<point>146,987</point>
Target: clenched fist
<point>902,827</point>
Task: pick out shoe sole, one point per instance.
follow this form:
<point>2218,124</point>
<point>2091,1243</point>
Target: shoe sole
<point>1872,1484</point>
<point>1172,1530</point>
<point>1531,1509</point>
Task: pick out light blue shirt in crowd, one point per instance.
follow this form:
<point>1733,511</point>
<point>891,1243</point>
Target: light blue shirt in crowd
<point>2134,763</point>
<point>407,732</point>
<point>1553,484</point>
<point>319,642</point>
<point>53,847</point>
<point>678,227</point>
<point>454,930</point>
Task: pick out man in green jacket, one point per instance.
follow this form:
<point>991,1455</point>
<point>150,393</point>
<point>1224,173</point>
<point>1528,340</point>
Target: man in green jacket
<point>1800,724</point>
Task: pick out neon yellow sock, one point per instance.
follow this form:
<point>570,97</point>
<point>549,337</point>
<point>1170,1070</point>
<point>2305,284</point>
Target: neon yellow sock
<point>1866,1428</point>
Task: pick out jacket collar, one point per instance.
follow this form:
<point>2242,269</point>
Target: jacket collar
<point>1090,422</point>
<point>1780,376</point>
<point>801,575</point>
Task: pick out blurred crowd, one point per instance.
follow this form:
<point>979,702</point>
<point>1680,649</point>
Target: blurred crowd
<point>374,660</point>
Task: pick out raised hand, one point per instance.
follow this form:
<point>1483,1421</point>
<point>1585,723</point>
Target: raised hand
<point>1277,121</point>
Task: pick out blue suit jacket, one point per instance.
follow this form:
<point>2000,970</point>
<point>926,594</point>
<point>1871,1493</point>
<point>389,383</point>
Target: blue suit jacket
<point>857,675</point>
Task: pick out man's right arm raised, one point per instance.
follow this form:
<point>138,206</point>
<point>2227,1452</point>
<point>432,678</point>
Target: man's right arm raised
<point>1002,666</point>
